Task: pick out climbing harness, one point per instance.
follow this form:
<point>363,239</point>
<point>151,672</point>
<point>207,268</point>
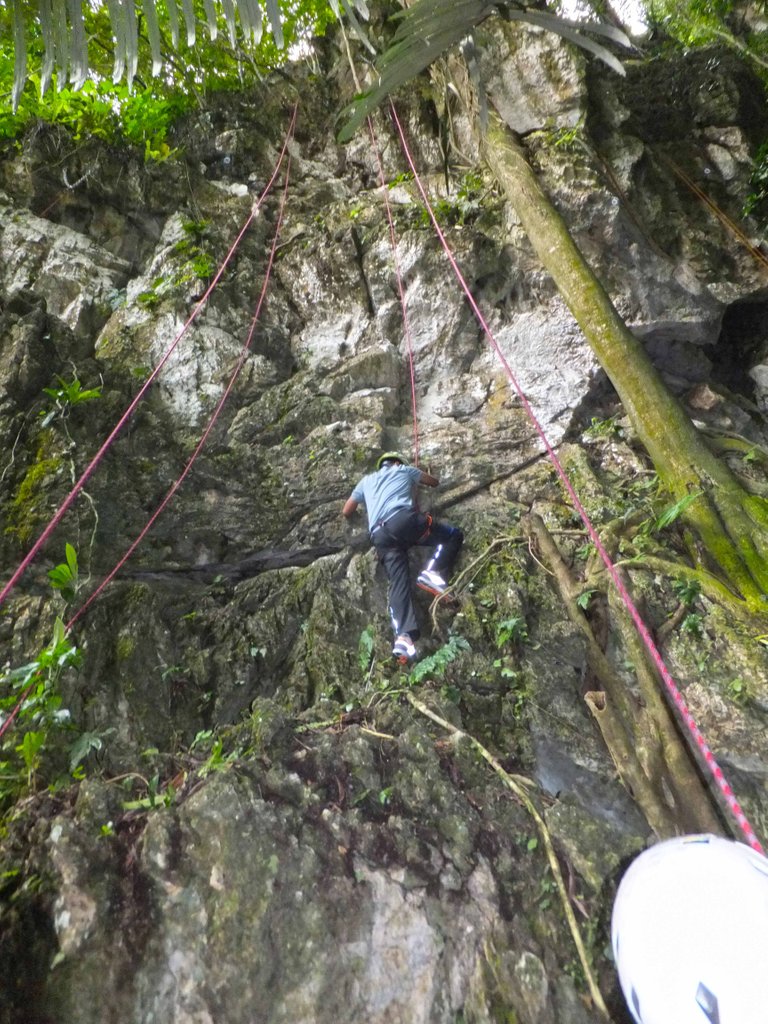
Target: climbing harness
<point>709,759</point>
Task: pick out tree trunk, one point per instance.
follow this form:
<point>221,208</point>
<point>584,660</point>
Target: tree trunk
<point>731,523</point>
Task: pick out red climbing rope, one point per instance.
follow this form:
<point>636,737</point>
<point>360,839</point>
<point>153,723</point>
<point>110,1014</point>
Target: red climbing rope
<point>5,725</point>
<point>709,758</point>
<point>211,422</point>
<point>401,293</point>
<point>88,472</point>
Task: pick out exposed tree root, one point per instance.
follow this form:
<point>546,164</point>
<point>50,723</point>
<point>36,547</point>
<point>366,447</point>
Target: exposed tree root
<point>641,735</point>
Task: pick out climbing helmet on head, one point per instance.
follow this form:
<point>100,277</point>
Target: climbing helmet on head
<point>391,457</point>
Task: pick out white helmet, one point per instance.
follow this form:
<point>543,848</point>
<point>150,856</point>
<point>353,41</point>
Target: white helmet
<point>690,933</point>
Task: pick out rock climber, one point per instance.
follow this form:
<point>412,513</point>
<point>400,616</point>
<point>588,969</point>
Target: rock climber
<point>395,524</point>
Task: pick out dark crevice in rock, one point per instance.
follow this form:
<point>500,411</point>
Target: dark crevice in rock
<point>248,566</point>
<point>742,346</point>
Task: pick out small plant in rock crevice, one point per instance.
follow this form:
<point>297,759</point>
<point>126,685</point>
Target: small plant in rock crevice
<point>32,692</point>
<point>65,397</point>
<point>437,663</point>
<point>39,746</point>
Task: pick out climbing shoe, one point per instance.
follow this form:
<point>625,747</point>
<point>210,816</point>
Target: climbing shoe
<point>432,583</point>
<point>404,649</point>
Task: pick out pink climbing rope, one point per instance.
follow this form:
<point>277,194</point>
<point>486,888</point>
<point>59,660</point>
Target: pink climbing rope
<point>671,687</point>
<point>5,725</point>
<point>401,293</point>
<point>91,467</point>
<point>211,422</point>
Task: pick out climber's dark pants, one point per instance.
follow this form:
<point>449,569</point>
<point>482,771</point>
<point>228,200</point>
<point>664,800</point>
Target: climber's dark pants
<point>392,539</point>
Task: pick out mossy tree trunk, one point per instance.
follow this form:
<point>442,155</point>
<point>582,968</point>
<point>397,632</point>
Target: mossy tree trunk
<point>731,523</point>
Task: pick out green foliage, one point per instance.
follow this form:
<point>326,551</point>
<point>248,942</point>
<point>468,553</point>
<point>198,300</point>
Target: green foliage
<point>34,688</point>
<point>86,743</point>
<point>365,649</point>
<point>142,114</point>
<point>690,22</point>
<point>569,139</point>
<point>436,664</point>
<point>607,428</point>
<point>216,760</point>
<point>584,599</point>
<point>739,691</point>
<point>99,110</point>
<point>194,264</point>
<point>65,397</point>
<point>673,512</point>
<point>687,591</point>
<point>511,630</point>
<point>156,797</point>
<point>64,577</point>
<point>506,668</point>
<point>693,624</point>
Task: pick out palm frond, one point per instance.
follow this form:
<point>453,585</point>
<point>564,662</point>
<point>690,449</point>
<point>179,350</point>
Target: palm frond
<point>46,27</point>
<point>153,34</point>
<point>229,16</point>
<point>210,13</point>
<point>273,12</point>
<point>61,39</point>
<point>131,41</point>
<point>20,58</point>
<point>189,21</point>
<point>116,21</point>
<point>430,27</point>
<point>173,22</point>
<point>573,31</point>
<point>426,30</point>
<point>78,60</point>
<point>354,24</point>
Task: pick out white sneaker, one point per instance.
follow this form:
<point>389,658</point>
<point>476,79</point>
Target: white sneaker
<point>431,582</point>
<point>404,649</point>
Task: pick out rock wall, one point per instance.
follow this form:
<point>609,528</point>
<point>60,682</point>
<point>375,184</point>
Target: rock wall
<point>268,830</point>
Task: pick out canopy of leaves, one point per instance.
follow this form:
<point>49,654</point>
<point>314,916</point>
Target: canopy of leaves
<point>691,23</point>
<point>141,111</point>
<point>67,41</point>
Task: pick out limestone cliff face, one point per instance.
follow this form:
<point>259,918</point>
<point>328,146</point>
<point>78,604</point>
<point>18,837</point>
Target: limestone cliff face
<point>300,844</point>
